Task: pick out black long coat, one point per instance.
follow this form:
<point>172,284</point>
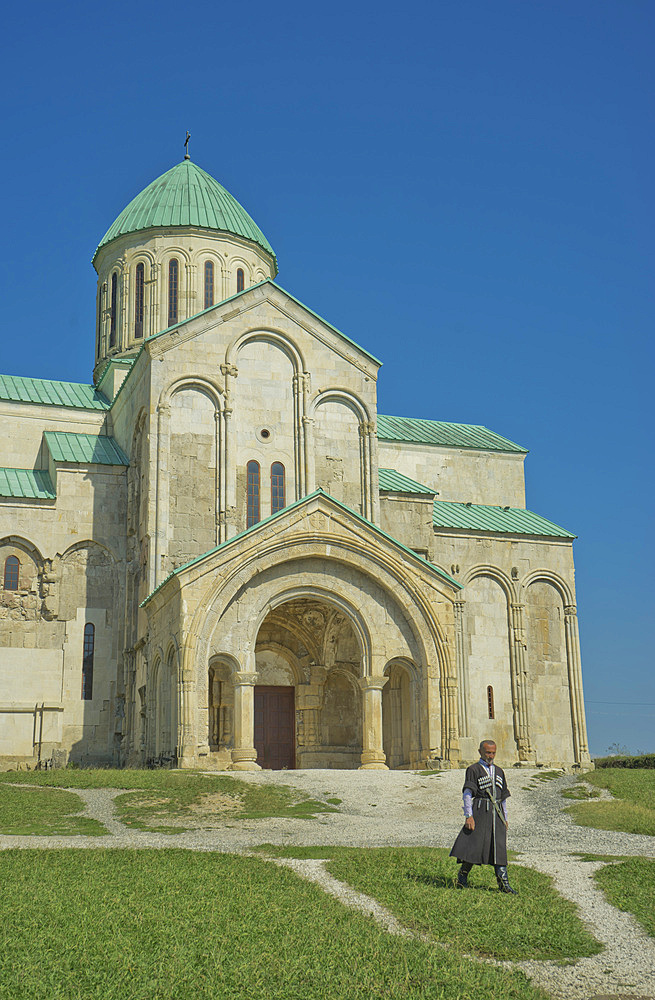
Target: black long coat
<point>487,844</point>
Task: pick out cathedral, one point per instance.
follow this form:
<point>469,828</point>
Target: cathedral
<point>220,555</point>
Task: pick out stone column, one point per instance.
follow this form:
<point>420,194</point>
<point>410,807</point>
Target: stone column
<point>219,510</point>
<point>244,755</point>
<point>519,676</point>
<point>580,746</point>
<point>130,693</point>
<point>157,570</point>
<point>152,317</point>
<point>298,444</point>
<point>102,322</point>
<point>187,736</point>
<point>451,729</point>
<point>366,430</point>
<point>307,431</point>
<point>373,757</point>
<point>122,325</point>
<point>462,673</point>
<point>227,464</point>
<point>374,485</point>
<point>189,298</point>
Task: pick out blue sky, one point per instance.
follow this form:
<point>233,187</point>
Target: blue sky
<point>460,187</point>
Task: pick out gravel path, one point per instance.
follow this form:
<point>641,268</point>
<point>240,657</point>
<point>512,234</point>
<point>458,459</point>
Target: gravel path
<point>401,808</point>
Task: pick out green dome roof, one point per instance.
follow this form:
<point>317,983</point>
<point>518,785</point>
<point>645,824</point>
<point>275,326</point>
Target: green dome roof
<point>186,196</point>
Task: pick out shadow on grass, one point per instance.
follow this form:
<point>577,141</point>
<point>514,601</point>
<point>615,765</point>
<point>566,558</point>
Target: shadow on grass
<point>434,881</point>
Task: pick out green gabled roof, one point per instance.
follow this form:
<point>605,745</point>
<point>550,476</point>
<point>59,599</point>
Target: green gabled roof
<point>281,513</point>
<point>499,520</point>
<point>18,389</point>
<point>394,482</point>
<point>29,483</point>
<point>186,196</point>
<point>85,449</point>
<point>444,434</point>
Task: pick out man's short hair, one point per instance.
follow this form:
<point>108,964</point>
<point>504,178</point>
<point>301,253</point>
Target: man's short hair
<point>487,743</point>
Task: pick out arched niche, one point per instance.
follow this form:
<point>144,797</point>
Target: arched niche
<point>551,727</point>
<point>29,559</point>
<point>220,707</point>
<point>192,473</point>
<point>339,461</point>
<point>488,663</point>
<point>87,579</point>
<point>340,723</point>
<point>265,424</point>
<point>399,723</point>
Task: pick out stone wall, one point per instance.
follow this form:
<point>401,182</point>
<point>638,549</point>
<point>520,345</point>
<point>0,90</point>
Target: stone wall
<point>71,554</point>
<point>459,474</point>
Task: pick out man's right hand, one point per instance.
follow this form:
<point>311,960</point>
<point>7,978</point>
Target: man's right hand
<point>469,823</point>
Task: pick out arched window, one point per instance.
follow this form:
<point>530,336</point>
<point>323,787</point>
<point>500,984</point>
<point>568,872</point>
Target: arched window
<point>277,487</point>
<point>12,569</point>
<point>252,516</point>
<point>114,309</point>
<point>173,271</point>
<point>490,702</point>
<point>209,284</point>
<point>139,290</point>
<point>240,279</point>
<point>87,662</point>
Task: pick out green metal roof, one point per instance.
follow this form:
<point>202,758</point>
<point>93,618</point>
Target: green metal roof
<point>444,434</point>
<point>85,449</point>
<point>31,483</point>
<point>394,482</point>
<point>501,520</point>
<point>18,389</point>
<point>186,196</point>
<point>280,513</point>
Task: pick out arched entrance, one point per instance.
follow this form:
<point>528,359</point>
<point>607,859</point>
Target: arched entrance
<point>307,699</point>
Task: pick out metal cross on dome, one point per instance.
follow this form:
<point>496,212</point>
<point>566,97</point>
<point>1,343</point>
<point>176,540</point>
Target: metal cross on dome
<point>186,146</point>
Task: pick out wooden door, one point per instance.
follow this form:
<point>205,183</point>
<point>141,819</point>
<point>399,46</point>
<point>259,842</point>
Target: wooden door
<point>275,727</point>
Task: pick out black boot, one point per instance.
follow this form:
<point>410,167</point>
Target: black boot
<point>503,881</point>
<point>463,876</point>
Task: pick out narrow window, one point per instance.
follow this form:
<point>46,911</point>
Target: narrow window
<point>173,268</point>
<point>12,567</point>
<point>87,662</point>
<point>240,282</point>
<point>139,290</point>
<point>277,487</point>
<point>253,494</point>
<point>112,315</point>
<point>209,284</point>
<point>490,702</point>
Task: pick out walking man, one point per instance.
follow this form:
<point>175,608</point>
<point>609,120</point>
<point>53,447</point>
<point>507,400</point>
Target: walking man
<point>483,838</point>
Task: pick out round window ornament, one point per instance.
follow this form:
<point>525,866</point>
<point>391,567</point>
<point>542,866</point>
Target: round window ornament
<point>265,435</point>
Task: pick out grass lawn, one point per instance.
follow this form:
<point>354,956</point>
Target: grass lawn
<point>156,925</point>
<point>417,885</point>
<point>630,886</point>
<point>173,801</point>
<point>44,811</point>
<point>632,810</point>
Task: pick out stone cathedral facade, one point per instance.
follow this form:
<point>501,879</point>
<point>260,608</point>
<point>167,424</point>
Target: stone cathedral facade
<point>220,555</point>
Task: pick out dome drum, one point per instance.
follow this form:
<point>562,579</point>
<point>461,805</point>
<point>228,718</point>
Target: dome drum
<point>180,246</point>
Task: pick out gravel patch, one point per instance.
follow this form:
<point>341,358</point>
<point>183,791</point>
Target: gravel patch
<point>402,808</point>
